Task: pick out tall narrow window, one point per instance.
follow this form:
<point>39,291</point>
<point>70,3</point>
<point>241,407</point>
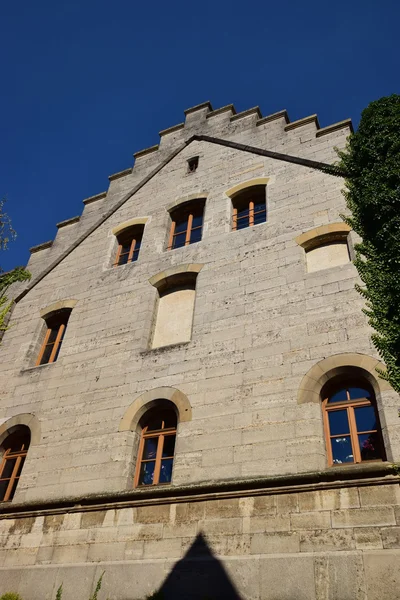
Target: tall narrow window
<point>187,224</point>
<point>157,448</point>
<point>12,457</point>
<point>351,422</point>
<point>129,242</point>
<point>56,326</point>
<point>249,207</point>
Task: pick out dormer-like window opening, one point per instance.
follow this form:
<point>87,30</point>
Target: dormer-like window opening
<point>249,207</point>
<point>129,243</point>
<point>193,163</point>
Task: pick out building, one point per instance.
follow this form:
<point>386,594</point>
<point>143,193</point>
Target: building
<point>207,298</point>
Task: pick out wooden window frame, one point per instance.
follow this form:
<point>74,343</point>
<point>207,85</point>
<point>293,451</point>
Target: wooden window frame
<point>20,456</point>
<point>350,405</point>
<point>60,327</point>
<point>190,211</point>
<point>160,434</point>
<point>241,199</point>
<point>137,235</point>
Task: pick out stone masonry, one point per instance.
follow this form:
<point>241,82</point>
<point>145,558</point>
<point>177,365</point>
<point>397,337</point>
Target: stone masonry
<point>253,511</point>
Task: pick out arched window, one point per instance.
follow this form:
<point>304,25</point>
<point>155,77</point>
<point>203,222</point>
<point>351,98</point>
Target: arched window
<point>156,448</point>
<point>351,422</point>
<point>12,455</point>
<point>129,242</point>
<point>56,325</point>
<point>187,224</point>
<point>325,246</point>
<point>249,207</point>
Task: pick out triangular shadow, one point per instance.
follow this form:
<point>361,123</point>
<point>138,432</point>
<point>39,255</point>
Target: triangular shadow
<point>199,575</point>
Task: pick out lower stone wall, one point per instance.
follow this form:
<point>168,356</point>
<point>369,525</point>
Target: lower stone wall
<point>320,544</point>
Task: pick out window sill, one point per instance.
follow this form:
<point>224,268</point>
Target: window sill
<point>162,349</point>
<point>29,369</point>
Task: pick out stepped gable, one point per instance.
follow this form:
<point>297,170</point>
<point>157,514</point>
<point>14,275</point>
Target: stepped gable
<point>274,133</point>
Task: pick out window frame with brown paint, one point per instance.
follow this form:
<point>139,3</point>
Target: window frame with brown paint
<point>184,215</point>
<point>131,240</point>
<point>246,201</point>
<point>350,405</point>
<point>54,336</point>
<point>19,457</point>
<point>160,434</point>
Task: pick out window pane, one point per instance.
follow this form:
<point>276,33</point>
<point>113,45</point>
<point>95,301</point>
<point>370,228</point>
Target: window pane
<point>195,235</point>
<point>166,470</point>
<point>150,448</point>
<point>197,220</point>
<point>147,473</point>
<point>169,446</point>
<point>259,206</point>
<point>135,254</point>
<point>57,352</point>
<point>260,217</point>
<point>3,488</point>
<point>356,393</point>
<point>179,240</point>
<point>21,464</point>
<point>338,422</point>
<point>46,354</point>
<point>14,487</point>
<point>341,450</point>
<point>365,418</point>
<point>244,212</point>
<point>339,396</point>
<point>8,468</point>
<point>52,336</point>
<point>369,446</point>
<point>126,248</point>
<point>123,259</point>
<point>181,226</point>
<point>242,223</point>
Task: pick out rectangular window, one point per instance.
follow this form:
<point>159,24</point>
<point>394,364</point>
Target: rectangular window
<point>56,326</point>
<point>187,225</point>
<point>129,242</point>
<point>249,207</point>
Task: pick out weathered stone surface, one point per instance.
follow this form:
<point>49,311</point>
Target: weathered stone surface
<point>244,372</point>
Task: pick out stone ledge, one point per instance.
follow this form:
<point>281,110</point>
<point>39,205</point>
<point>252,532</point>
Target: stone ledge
<point>145,151</point>
<point>171,129</point>
<point>219,111</point>
<point>335,127</point>
<point>282,114</point>
<point>193,109</point>
<point>39,247</point>
<point>70,221</point>
<point>247,113</point>
<point>301,122</point>
<point>382,473</point>
<point>120,174</point>
<point>94,198</point>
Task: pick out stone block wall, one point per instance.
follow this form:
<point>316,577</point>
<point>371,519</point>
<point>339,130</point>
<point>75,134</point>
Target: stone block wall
<point>266,336</point>
<point>328,543</point>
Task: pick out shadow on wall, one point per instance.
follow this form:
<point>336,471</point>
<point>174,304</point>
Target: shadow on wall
<point>199,575</point>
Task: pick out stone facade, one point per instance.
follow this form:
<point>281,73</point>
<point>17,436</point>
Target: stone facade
<point>253,510</point>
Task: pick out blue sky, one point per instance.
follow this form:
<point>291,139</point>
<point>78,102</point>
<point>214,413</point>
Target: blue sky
<point>84,84</point>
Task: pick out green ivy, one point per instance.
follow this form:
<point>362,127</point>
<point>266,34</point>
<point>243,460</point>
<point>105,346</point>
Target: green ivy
<point>372,163</point>
<point>10,596</point>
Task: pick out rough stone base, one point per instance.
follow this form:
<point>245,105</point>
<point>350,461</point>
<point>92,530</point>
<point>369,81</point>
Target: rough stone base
<point>338,541</point>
